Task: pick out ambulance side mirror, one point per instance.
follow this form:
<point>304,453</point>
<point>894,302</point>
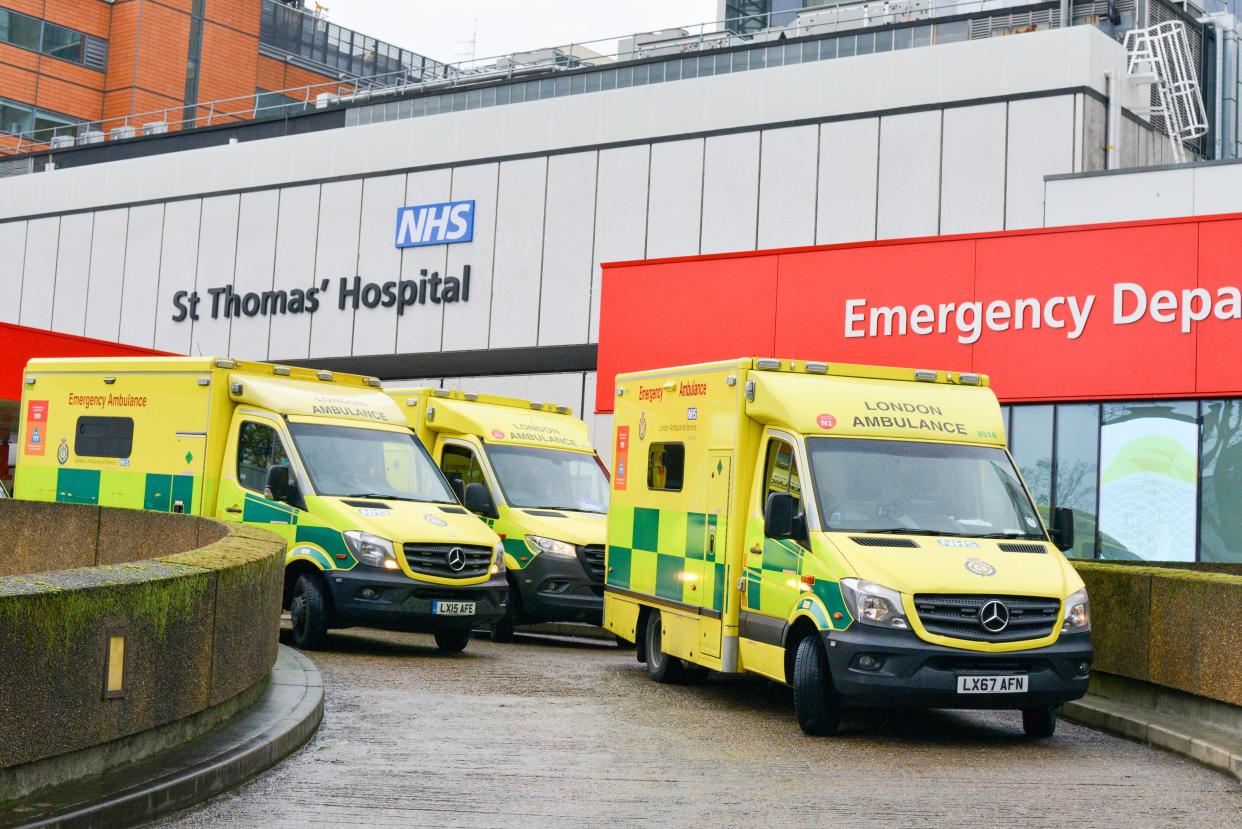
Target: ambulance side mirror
<point>1062,530</point>
<point>280,485</point>
<point>778,515</point>
<point>479,501</point>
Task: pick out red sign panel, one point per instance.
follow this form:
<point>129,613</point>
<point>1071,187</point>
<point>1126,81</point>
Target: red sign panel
<point>1135,310</point>
<point>36,426</point>
<point>621,458</point>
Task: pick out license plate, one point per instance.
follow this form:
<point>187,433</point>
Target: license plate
<point>991,684</point>
<point>452,608</point>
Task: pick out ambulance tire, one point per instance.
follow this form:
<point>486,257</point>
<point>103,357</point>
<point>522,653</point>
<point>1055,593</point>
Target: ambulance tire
<point>660,666</point>
<point>309,612</point>
<point>502,628</point>
<point>452,641</point>
<point>1039,723</point>
<point>815,701</point>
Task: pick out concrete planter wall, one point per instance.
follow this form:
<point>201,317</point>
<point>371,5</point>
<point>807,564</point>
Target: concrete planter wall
<point>198,600</point>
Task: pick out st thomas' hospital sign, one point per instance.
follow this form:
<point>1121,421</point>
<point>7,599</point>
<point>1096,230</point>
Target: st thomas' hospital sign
<point>428,224</point>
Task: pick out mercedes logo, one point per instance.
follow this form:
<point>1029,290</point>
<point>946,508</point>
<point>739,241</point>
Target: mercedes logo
<point>994,616</point>
<point>457,560</point>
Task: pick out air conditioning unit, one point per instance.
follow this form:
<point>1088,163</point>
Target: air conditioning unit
<point>126,131</point>
<point>91,137</point>
<point>60,142</point>
<point>325,99</point>
<point>155,128</point>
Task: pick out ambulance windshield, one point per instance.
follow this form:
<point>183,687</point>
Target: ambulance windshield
<point>533,477</point>
<point>893,486</point>
<point>369,463</point>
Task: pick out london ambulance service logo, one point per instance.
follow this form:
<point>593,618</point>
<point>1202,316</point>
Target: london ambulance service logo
<point>62,451</point>
<point>980,567</point>
<point>642,426</point>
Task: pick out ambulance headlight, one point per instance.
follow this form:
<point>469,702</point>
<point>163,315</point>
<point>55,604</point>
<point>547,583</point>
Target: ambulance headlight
<point>1077,613</point>
<point>551,545</point>
<point>874,604</point>
<point>371,549</point>
<point>498,558</point>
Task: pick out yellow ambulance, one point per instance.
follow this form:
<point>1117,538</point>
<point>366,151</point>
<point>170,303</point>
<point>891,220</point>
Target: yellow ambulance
<point>528,469</point>
<point>858,533</point>
<point>376,536</point>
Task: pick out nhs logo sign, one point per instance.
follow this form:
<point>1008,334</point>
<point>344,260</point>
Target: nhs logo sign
<point>435,224</point>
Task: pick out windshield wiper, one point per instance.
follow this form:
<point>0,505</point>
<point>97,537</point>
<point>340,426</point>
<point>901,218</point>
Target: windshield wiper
<point>375,496</point>
<point>1011,534</point>
<point>906,531</point>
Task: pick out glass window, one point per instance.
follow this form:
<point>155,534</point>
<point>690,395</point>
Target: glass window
<point>592,82</point>
<point>537,477</point>
<point>1077,471</point>
<point>672,70</point>
<point>405,109</point>
<point>845,46</point>
<point>757,58</point>
<point>884,41</point>
<point>258,448</point>
<point>19,30</point>
<point>724,63</point>
<point>459,101</point>
<point>1220,525</point>
<point>104,437</point>
<point>392,111</point>
<point>532,90</point>
<point>359,462</point>
<point>517,93</point>
<point>502,95</point>
<point>740,60</point>
<point>474,99</point>
<point>577,84</point>
<point>901,38</point>
<point>707,65</point>
<point>793,53</point>
<point>1149,456</point>
<point>625,77</point>
<point>1030,441</point>
<point>665,466</point>
<point>774,55</point>
<point>14,118</point>
<point>689,67</point>
<point>950,32</point>
<point>640,75</point>
<point>561,89</point>
<point>810,51</point>
<point>62,43</point>
<point>781,472</point>
<point>922,35</point>
<point>419,107</point>
<point>609,79</point>
<point>547,88</point>
<point>656,73</point>
<point>866,43</point>
<point>461,467</point>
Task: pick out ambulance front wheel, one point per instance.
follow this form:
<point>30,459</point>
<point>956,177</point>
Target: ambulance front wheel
<point>660,666</point>
<point>1039,722</point>
<point>309,612</point>
<point>502,628</point>
<point>815,700</point>
<point>452,641</point>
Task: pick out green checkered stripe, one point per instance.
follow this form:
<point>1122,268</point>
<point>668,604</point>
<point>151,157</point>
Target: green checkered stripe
<point>775,589</point>
<point>663,553</point>
<point>113,488</point>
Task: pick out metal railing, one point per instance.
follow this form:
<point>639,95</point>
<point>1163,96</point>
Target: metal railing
<point>436,76</point>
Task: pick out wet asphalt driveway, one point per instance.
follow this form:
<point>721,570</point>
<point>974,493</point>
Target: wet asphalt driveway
<point>551,732</point>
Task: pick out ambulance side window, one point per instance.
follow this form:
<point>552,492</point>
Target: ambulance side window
<point>666,463</point>
<point>781,471</point>
<point>258,447</point>
<point>104,437</point>
<point>461,467</point>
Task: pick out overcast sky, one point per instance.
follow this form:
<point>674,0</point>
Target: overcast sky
<point>442,29</point>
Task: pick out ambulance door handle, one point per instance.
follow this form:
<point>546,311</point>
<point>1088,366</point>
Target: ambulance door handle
<point>757,549</point>
<point>232,509</point>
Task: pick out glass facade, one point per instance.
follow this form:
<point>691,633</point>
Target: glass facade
<point>1147,480</point>
<point>38,125</point>
<point>17,29</point>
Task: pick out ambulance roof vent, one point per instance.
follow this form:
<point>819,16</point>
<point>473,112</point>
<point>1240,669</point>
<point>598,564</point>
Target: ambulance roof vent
<point>969,379</point>
<point>440,392</point>
<point>817,368</point>
<point>471,396</point>
<point>283,371</point>
<point>373,382</point>
<point>925,374</point>
<point>767,364</point>
<point>226,364</point>
<point>324,375</point>
<point>563,409</point>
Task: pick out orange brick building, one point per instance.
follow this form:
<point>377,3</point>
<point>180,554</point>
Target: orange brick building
<point>65,62</point>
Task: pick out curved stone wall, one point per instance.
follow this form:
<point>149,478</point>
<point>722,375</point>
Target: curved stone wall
<point>198,601</point>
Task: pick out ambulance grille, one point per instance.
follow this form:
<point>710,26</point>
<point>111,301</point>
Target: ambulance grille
<point>592,558</point>
<point>957,616</point>
<point>1022,548</point>
<point>869,541</point>
<point>433,560</point>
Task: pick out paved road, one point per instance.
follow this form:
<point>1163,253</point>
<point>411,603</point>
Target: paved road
<point>567,733</point>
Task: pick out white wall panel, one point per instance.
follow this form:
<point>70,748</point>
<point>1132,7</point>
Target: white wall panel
<point>568,236</point>
<point>421,327</point>
<point>787,184</point>
<point>620,214</point>
<point>730,192</point>
<point>107,275</point>
<point>601,438</point>
<point>675,205</point>
<point>848,155</point>
<point>336,256</point>
<point>519,253</point>
<point>1041,142</point>
<point>296,228</point>
<point>1218,189</point>
<point>39,274</point>
<point>379,261</point>
<point>13,245</point>
<point>972,187</point>
<point>909,182</point>
<point>256,254</point>
<point>143,232</point>
<point>178,262</point>
<point>73,264</point>
<point>1142,195</point>
<point>217,260</point>
<point>466,322</point>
